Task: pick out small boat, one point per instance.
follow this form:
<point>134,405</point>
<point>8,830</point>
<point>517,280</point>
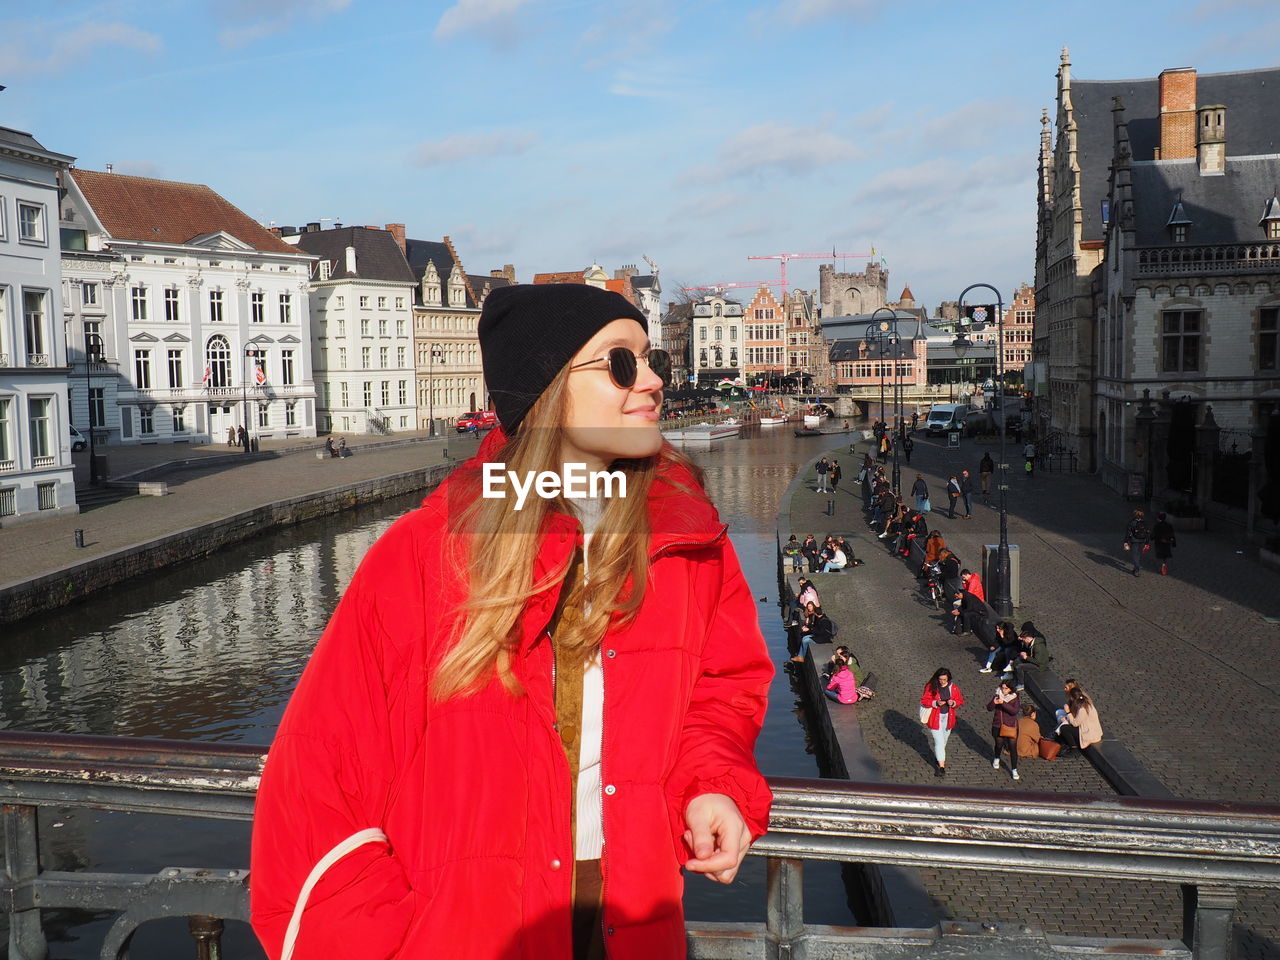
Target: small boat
<point>812,421</point>
<point>732,422</point>
<point>772,421</point>
<point>808,431</point>
<point>702,433</point>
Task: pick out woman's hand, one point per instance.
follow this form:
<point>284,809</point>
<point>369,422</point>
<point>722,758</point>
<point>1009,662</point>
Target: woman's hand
<point>717,835</point>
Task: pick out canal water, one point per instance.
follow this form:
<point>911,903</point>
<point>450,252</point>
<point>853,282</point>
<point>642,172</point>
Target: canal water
<point>211,651</point>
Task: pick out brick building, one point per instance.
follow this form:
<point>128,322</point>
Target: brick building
<point>764,328</point>
<point>1019,328</point>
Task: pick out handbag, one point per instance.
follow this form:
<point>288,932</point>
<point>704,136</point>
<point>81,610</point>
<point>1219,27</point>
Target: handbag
<point>925,505</point>
<point>1049,749</point>
<point>1010,732</point>
<point>925,713</point>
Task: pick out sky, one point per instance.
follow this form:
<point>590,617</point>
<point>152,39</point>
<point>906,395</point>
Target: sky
<point>551,134</point>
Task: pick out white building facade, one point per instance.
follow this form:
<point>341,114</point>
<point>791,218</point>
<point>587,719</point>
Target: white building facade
<point>181,336</point>
<point>716,340</point>
<point>36,477</point>
<point>362,300</point>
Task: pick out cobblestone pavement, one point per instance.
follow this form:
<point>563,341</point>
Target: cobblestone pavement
<point>1177,665</point>
<point>200,495</point>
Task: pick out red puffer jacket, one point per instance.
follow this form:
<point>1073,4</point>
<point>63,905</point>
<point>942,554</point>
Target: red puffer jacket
<point>472,798</point>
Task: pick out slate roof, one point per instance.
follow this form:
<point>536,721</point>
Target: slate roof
<point>25,142</point>
<point>479,281</point>
<point>378,256</point>
<point>854,326</point>
<point>1222,209</point>
<point>166,211</point>
<point>1252,99</point>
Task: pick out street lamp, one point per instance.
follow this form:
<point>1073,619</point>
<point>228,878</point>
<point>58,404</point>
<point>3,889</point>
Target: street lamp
<point>434,350</point>
<point>887,332</point>
<point>249,353</point>
<point>1146,418</point>
<point>1002,597</point>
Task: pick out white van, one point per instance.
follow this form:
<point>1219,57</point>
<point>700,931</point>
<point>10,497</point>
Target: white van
<point>78,442</point>
<point>945,417</point>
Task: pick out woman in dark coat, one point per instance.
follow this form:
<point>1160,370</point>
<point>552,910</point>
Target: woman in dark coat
<point>1164,540</point>
<point>1005,708</point>
<point>809,550</point>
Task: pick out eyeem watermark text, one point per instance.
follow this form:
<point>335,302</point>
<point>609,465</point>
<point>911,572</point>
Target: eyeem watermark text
<point>576,483</point>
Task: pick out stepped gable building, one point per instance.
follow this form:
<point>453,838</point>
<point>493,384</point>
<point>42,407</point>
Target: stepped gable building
<point>1019,328</point>
<point>806,360</point>
<point>35,450</point>
<point>362,298</point>
<point>446,316</point>
<point>846,294</point>
<point>764,337</point>
<point>1157,269</point>
<point>186,317</point>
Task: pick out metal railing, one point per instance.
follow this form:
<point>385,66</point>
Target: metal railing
<point>1209,848</point>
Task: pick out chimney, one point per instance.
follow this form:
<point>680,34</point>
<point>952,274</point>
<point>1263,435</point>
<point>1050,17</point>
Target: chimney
<point>1211,139</point>
<point>508,271</point>
<point>397,231</point>
<point>313,226</point>
<point>1177,114</point>
<point>351,259</point>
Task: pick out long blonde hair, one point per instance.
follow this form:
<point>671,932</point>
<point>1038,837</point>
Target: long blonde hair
<point>499,546</point>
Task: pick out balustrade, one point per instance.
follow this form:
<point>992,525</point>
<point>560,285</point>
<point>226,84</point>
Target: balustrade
<point>1221,258</point>
<point>37,359</point>
<point>1209,848</point>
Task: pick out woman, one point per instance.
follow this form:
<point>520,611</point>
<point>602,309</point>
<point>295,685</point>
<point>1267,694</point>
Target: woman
<point>941,697</point>
<point>843,685</point>
<point>521,723</point>
<point>934,544</point>
<point>835,474</point>
<point>1004,651</point>
<point>1164,540</point>
<point>1004,709</point>
<point>1080,726</point>
<point>836,561</point>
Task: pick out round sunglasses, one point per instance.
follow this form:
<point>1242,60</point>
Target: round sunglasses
<point>624,365</point>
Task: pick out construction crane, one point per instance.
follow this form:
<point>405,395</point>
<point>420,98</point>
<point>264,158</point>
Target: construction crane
<point>784,257</point>
<point>652,266</point>
<point>730,286</point>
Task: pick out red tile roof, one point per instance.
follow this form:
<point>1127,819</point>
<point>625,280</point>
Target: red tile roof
<point>165,211</point>
<point>906,294</point>
<point>569,276</point>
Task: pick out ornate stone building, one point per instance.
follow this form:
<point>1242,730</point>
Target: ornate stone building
<point>764,337</point>
<point>1158,276</point>
<point>1019,328</point>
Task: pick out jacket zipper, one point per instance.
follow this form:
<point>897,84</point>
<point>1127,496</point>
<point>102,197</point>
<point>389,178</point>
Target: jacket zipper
<point>689,543</point>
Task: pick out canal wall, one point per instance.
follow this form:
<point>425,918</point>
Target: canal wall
<point>885,896</point>
<point>75,581</point>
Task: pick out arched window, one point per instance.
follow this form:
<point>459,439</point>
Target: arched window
<point>217,357</point>
<point>719,333</point>
<point>717,310</point>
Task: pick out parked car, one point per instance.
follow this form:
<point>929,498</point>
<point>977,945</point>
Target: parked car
<point>78,442</point>
<point>478,420</point>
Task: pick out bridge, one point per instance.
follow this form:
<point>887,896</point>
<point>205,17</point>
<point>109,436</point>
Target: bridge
<point>1211,850</point>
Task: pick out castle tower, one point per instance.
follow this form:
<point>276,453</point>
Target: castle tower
<point>847,294</point>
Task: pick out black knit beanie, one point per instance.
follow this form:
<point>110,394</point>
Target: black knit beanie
<point>528,332</point>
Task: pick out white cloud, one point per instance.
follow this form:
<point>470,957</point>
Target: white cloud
<point>629,34</point>
<point>138,168</point>
<point>72,46</point>
<point>467,15</point>
<point>472,146</point>
<point>262,18</point>
<point>774,148</point>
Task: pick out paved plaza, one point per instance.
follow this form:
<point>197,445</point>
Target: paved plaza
<point>1178,666</point>
<point>204,494</point>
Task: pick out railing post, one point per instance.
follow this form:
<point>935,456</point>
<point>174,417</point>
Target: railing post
<point>784,909</point>
<point>21,867</point>
<point>1207,914</point>
<point>207,933</point>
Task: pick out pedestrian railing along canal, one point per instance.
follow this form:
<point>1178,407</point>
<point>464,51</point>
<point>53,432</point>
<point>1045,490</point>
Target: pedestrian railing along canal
<point>1211,849</point>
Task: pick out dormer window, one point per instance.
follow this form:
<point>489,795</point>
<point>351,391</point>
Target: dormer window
<point>1270,221</point>
<point>1179,223</point>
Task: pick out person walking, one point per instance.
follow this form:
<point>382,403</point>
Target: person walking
<point>823,469</point>
<point>467,758</point>
<point>953,494</point>
<point>231,436</point>
<point>1137,539</point>
<point>1164,540</point>
<point>938,704</point>
<point>835,474</point>
<point>884,448</point>
<point>242,438</point>
<point>1004,707</point>
<point>985,468</point>
<point>915,419</point>
<point>1029,456</point>
<point>966,492</point>
<point>920,490</point>
<point>907,446</point>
